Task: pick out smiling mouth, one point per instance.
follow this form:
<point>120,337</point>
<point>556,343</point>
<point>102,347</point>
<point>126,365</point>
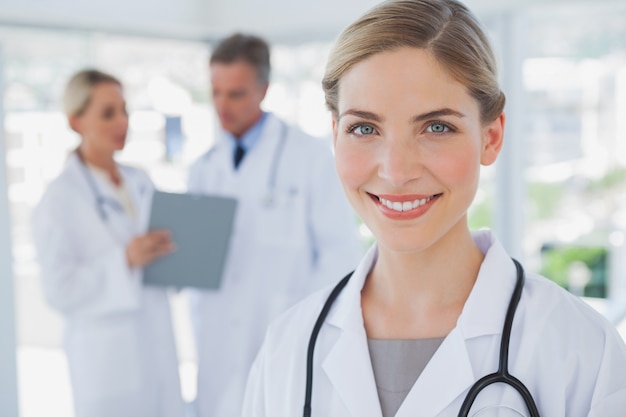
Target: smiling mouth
<point>404,205</point>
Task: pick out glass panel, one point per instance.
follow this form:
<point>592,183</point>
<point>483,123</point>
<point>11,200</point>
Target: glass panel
<point>575,79</point>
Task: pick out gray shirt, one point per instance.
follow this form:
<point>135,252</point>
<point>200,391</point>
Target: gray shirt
<point>397,364</point>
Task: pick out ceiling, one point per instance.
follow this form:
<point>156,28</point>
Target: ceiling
<point>278,20</point>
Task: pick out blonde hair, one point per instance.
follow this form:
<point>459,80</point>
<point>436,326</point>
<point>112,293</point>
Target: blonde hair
<point>446,28</point>
<point>79,88</point>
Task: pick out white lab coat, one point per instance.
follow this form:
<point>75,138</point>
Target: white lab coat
<point>570,358</point>
<point>305,240</point>
<point>118,334</point>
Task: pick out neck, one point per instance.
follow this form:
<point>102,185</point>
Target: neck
<point>414,295</point>
<point>239,135</point>
<point>101,160</point>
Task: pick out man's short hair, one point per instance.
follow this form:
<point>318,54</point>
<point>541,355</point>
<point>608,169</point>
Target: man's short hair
<point>248,48</point>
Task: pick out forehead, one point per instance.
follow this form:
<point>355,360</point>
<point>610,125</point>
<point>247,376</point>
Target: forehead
<point>232,74</point>
<point>404,78</point>
<point>106,93</point>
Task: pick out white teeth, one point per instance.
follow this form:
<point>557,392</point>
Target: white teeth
<point>405,206</point>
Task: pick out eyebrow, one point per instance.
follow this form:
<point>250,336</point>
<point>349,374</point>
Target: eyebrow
<point>437,113</point>
<point>430,115</point>
<point>361,114</point>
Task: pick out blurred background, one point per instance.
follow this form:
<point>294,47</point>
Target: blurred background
<point>557,196</point>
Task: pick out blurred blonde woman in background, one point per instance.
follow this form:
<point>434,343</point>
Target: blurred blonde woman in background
<point>90,231</point>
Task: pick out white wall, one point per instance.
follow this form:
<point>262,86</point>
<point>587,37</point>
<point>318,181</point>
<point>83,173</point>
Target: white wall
<point>181,18</point>
<point>191,19</point>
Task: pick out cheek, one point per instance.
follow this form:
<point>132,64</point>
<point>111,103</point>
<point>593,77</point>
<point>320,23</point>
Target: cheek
<point>460,168</point>
<point>105,126</point>
<point>244,109</point>
<point>92,128</point>
<point>352,166</point>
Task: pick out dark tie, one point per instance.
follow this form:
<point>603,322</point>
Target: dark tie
<point>239,153</point>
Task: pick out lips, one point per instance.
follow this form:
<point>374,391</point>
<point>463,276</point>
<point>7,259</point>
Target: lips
<point>405,203</point>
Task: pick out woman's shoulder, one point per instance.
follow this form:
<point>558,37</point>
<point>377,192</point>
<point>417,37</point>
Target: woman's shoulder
<point>291,326</point>
<point>578,345</point>
<point>65,184</point>
<point>558,300</point>
<point>567,315</point>
<point>133,170</point>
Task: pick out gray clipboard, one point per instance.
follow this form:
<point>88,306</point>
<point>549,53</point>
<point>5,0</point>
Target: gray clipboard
<point>201,227</point>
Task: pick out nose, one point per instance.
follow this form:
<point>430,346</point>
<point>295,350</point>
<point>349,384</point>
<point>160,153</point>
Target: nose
<point>122,121</point>
<point>219,101</point>
<point>400,161</point>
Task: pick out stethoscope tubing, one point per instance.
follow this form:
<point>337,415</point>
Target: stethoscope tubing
<point>100,201</point>
<point>502,375</point>
<point>271,182</point>
<point>316,330</point>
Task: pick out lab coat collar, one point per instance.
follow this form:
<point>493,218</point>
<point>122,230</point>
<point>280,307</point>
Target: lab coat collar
<point>250,137</point>
<point>348,303</point>
<point>496,277</point>
<point>272,128</point>
<point>486,306</point>
<point>268,126</point>
<point>348,360</point>
<point>77,167</point>
<point>139,192</point>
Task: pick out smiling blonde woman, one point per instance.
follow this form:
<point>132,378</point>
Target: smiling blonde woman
<point>433,307</point>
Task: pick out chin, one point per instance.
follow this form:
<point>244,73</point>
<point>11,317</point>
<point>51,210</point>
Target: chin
<point>404,246</point>
<point>118,148</point>
<point>403,241</point>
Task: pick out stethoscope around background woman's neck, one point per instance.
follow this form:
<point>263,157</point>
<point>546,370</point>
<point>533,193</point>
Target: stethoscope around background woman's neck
<point>101,200</point>
<point>501,375</point>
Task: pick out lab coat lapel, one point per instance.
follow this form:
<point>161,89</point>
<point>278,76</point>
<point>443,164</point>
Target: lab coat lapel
<point>347,363</point>
<point>450,372</point>
<point>141,195</point>
<point>258,161</point>
<point>348,367</point>
<point>447,375</point>
<point>220,177</point>
<point>119,224</point>
<point>116,223</point>
<point>123,226</point>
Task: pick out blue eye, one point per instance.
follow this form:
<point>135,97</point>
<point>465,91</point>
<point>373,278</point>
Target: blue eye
<point>362,130</point>
<point>438,127</point>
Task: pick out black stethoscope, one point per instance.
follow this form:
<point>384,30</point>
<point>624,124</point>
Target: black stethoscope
<point>501,375</point>
<point>101,201</point>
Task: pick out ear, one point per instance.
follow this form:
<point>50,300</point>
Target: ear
<point>493,137</point>
<point>335,127</point>
<point>75,123</point>
<point>264,91</point>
